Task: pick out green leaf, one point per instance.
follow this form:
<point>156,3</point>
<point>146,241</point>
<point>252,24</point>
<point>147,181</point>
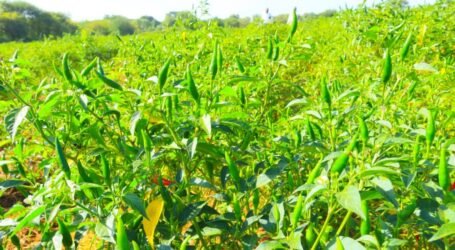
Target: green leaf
<point>206,121</point>
<point>135,203</point>
<point>270,245</point>
<point>191,211</point>
<point>62,159</point>
<point>14,118</point>
<point>201,183</point>
<point>11,183</point>
<point>376,171</point>
<point>109,82</point>
<point>385,187</point>
<point>134,120</point>
<point>425,67</point>
<point>348,243</point>
<point>444,231</point>
<point>28,218</point>
<point>268,176</point>
<point>350,199</point>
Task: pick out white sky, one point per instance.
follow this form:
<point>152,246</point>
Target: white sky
<point>96,9</point>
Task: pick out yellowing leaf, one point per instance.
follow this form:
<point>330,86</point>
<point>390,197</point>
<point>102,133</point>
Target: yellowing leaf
<point>153,211</point>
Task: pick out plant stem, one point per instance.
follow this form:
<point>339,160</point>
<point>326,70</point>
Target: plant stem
<point>324,226</point>
<point>345,220</point>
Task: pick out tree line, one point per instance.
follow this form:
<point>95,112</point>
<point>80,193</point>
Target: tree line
<point>21,21</point>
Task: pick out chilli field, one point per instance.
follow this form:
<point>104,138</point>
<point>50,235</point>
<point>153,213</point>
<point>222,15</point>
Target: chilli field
<point>326,133</point>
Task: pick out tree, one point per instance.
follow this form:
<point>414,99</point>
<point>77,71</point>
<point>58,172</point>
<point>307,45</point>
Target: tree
<point>147,23</point>
<point>23,21</point>
<point>13,27</point>
<point>184,19</point>
<point>233,21</point>
<point>121,25</point>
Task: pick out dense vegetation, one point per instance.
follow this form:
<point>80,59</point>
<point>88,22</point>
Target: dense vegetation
<point>21,21</point>
<point>336,132</point>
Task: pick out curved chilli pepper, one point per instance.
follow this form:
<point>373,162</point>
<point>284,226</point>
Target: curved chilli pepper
<point>66,236</point>
<point>365,225</point>
<point>325,94</point>
<point>405,49</point>
<point>416,152</point>
<point>219,59</point>
<point>443,172</point>
<point>192,88</point>
<point>164,71</point>
<point>121,238</point>
<point>363,130</point>
<point>297,211</point>
<point>310,236</point>
<point>256,199</point>
<point>99,67</point>
<point>242,96</point>
<point>387,68</point>
<point>294,23</point>
<point>270,49</point>
<point>406,212</point>
<point>315,172</point>
<point>298,138</point>
<point>342,161</point>
<point>309,129</point>
<point>106,170</point>
<point>62,159</point>
<point>276,53</point>
<point>89,67</point>
<point>214,62</point>
<point>66,69</point>
<point>239,65</point>
<point>431,128</point>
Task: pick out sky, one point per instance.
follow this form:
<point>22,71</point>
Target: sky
<point>80,10</point>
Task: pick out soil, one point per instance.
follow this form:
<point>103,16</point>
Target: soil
<point>10,197</point>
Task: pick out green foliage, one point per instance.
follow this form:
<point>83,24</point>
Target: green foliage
<point>243,137</point>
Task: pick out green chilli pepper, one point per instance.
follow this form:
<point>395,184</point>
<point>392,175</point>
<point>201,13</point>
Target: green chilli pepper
<point>62,159</point>
<point>405,48</point>
<point>387,68</point>
<point>162,76</point>
<point>239,65</point>
<point>192,88</point>
<point>342,161</point>
<point>297,211</point>
<point>365,225</point>
<point>325,94</point>
<point>66,69</point>
<point>294,23</point>
<point>269,49</point>
<point>309,129</point>
<point>443,172</point>
<point>106,170</point>
<point>89,67</point>
<point>214,62</point>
